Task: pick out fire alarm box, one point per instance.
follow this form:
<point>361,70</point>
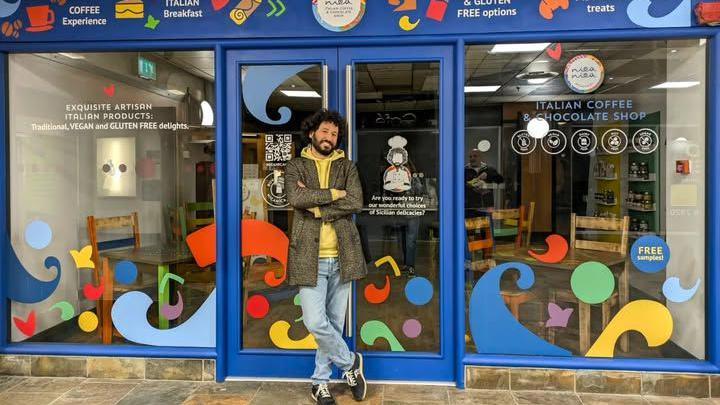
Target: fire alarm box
<point>682,166</point>
<point>708,13</point>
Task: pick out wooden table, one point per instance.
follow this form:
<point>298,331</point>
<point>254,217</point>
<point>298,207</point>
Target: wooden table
<point>162,256</point>
<point>574,258</point>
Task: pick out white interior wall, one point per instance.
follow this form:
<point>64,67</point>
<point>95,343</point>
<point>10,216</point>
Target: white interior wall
<point>685,220</point>
<point>53,174</point>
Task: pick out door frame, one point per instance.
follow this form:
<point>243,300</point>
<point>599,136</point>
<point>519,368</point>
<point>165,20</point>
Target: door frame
<point>418,366</point>
<point>295,364</point>
<point>239,362</point>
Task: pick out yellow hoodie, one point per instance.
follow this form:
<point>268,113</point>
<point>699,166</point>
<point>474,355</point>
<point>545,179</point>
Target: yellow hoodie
<point>328,238</point>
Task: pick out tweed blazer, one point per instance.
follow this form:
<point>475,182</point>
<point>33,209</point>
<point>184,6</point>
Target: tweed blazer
<point>302,268</point>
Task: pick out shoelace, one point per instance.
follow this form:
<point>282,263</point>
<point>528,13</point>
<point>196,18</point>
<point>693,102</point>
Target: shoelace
<point>323,391</point>
<point>350,377</point>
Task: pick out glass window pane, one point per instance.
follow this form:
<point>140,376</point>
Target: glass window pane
<point>397,107</point>
<point>599,147</point>
<point>111,167</point>
<point>276,99</point>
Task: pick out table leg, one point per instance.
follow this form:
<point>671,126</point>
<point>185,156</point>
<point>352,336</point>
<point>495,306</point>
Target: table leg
<point>584,325</point>
<point>163,296</point>
<point>624,292</point>
<point>106,325</point>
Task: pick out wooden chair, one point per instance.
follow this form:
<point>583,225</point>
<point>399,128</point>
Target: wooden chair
<point>619,227</point>
<point>528,223</point>
<point>94,226</point>
<point>193,221</point>
<point>509,222</point>
<point>175,223</point>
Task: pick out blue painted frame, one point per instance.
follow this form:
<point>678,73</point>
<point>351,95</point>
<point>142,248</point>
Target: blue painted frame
<point>227,234</point>
<point>425,366</point>
<point>712,237</point>
<point>239,361</point>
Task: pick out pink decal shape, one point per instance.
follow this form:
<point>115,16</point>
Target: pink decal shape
<point>558,317</point>
<point>556,52</point>
<point>556,251</point>
<point>27,326</point>
<point>173,312</point>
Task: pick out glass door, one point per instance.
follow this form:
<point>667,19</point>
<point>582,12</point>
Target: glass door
<point>272,92</point>
<point>399,105</point>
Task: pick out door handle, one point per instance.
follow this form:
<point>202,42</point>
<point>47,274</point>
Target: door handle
<point>325,86</point>
<point>349,118</point>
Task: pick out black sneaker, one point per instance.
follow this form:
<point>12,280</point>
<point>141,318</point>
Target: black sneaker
<point>321,395</point>
<point>356,379</point>
<point>410,271</point>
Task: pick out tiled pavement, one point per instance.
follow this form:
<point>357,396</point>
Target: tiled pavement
<point>66,391</point>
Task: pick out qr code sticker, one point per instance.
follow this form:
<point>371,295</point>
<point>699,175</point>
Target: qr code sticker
<point>278,147</point>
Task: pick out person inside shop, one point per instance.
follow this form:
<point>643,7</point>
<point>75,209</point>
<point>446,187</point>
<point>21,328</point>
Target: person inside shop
<point>325,254</point>
<point>478,175</point>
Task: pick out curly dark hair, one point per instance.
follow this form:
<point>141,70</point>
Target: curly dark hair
<point>312,123</point>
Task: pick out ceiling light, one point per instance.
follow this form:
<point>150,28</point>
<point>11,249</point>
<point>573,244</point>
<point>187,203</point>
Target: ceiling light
<point>516,48</point>
<point>537,77</point>
<point>176,92</point>
<point>538,127</point>
<point>673,50</point>
<point>481,89</point>
<point>301,93</point>
<point>675,85</point>
<point>71,55</point>
<point>538,80</point>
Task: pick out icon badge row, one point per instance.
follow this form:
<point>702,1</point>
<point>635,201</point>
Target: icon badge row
<point>584,141</point>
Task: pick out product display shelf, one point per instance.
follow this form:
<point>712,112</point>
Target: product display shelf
<point>642,202</point>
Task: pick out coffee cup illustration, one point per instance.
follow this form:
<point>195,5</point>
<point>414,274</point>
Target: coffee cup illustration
<point>41,18</point>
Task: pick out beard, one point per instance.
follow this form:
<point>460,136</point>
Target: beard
<point>325,148</point>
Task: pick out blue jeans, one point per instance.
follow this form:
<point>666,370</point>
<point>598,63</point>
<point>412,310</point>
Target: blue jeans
<point>323,308</point>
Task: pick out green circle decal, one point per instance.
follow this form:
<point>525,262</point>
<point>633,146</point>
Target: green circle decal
<point>592,282</point>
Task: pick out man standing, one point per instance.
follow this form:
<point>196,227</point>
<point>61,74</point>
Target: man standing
<point>477,175</point>
<point>323,187</point>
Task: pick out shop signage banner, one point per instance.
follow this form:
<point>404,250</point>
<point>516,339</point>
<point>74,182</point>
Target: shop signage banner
<point>79,20</point>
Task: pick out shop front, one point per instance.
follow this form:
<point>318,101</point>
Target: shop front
<point>538,185</point>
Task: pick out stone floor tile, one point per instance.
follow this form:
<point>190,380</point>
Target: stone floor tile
<point>216,399</point>
<point>160,392</point>
<point>657,400</point>
<point>611,399</point>
<point>283,394</point>
<point>244,389</point>
<point>28,398</point>
<point>96,393</point>
<point>479,397</point>
<point>342,394</point>
<point>7,382</point>
<point>430,393</point>
<point>546,398</point>
<point>47,385</point>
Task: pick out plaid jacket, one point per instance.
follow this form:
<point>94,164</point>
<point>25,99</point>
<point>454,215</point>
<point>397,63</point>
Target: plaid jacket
<point>304,251</point>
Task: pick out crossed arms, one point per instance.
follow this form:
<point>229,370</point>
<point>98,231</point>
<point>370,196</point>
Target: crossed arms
<point>327,204</point>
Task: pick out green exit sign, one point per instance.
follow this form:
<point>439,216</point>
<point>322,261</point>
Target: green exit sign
<point>146,69</point>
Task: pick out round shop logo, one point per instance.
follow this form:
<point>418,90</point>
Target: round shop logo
<point>273,189</point>
<point>584,74</point>
<point>338,15</point>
